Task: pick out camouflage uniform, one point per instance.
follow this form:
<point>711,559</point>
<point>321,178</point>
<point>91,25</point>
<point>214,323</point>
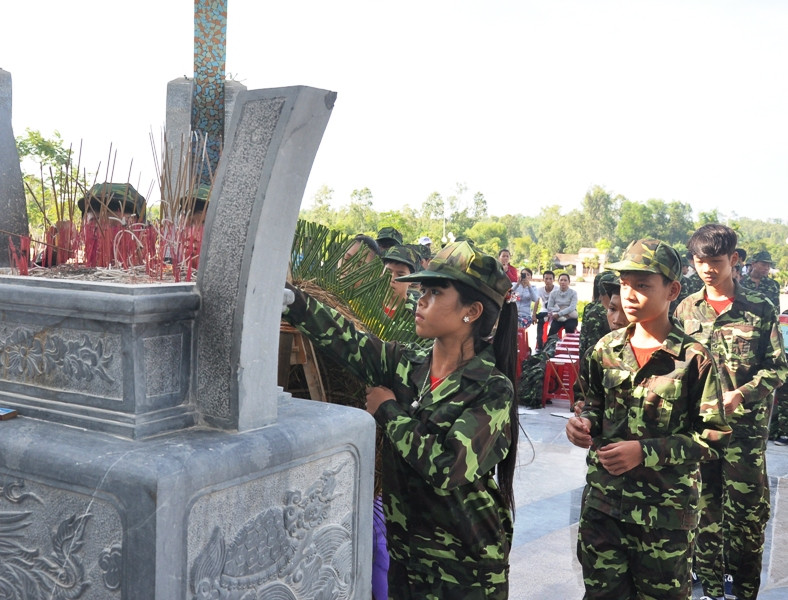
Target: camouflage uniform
<point>746,345</point>
<point>689,285</point>
<point>766,286</point>
<point>449,530</point>
<point>672,406</point>
<point>594,325</point>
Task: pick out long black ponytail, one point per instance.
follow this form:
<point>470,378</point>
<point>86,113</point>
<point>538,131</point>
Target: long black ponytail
<point>504,342</point>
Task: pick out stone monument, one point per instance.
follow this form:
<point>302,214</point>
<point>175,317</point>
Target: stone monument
<point>13,212</point>
<point>154,457</point>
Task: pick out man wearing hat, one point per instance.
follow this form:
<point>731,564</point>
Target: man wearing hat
<point>388,237</point>
<point>740,330</point>
<point>595,314</point>
<point>652,415</point>
<point>757,278</point>
<point>400,261</point>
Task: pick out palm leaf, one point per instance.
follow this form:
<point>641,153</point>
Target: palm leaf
<point>318,257</point>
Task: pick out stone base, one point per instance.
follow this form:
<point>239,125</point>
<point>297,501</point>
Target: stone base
<point>280,512</point>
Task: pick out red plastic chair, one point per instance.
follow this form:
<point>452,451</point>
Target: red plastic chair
<point>561,370</point>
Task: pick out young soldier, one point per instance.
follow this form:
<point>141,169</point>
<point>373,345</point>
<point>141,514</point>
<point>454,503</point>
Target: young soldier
<point>595,314</point>
<point>652,415</point>
<point>739,327</point>
<point>757,278</point>
<point>616,319</point>
<point>399,261</point>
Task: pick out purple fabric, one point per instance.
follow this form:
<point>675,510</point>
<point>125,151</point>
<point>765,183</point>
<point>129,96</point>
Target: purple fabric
<point>380,553</point>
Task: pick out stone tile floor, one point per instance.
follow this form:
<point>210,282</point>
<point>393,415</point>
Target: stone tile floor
<point>549,484</point>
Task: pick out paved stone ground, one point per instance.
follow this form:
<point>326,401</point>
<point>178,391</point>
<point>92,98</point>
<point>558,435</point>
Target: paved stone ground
<point>549,483</point>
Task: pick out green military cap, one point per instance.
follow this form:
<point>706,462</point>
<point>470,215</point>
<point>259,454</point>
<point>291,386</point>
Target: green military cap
<point>762,256</point>
<point>423,251</point>
<point>117,197</point>
<point>405,255</point>
<point>201,195</point>
<point>603,277</point>
<point>651,256</point>
<point>390,234</point>
<point>611,286</point>
<point>463,262</point>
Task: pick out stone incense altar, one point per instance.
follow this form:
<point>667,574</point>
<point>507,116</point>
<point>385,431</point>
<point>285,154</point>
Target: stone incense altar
<point>154,456</point>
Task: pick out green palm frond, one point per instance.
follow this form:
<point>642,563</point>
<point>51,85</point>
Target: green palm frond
<point>318,256</point>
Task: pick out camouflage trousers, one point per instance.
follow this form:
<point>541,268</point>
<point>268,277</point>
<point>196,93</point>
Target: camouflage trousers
<point>435,584</point>
<point>623,561</point>
<point>779,425</point>
<point>734,507</point>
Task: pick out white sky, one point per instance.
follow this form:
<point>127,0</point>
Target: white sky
<point>529,102</point>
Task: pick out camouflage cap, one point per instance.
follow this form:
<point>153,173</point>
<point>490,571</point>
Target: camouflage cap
<point>405,255</point>
<point>762,256</point>
<point>201,195</point>
<point>605,276</point>
<point>463,262</point>
<point>389,233</point>
<point>612,286</point>
<point>423,251</point>
<point>651,256</point>
<point>117,197</point>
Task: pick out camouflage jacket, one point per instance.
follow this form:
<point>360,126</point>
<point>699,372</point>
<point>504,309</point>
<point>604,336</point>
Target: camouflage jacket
<point>594,326</point>
<point>672,406</point>
<point>689,285</point>
<point>440,497</point>
<point>746,345</point>
<point>766,286</point>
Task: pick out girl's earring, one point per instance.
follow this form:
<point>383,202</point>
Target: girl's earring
<point>466,319</point>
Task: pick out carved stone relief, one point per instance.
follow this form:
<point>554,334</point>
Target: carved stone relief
<point>64,359</point>
<point>286,536</point>
<point>52,544</point>
<point>163,364</point>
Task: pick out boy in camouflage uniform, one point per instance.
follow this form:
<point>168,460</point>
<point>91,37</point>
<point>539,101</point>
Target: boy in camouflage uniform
<point>595,314</point>
<point>652,415</point>
<point>449,423</point>
<point>401,260</point>
<point>757,278</point>
<point>739,327</point>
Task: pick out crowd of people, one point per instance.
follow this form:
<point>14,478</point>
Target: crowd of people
<point>678,376</point>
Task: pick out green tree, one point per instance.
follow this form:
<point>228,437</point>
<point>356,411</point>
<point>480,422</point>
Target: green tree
<point>321,211</point>
<point>52,182</point>
<point>680,226</point>
<point>490,236</point>
<point>704,218</point>
<point>598,210</point>
<point>633,222</point>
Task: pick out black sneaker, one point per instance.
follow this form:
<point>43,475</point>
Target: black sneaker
<point>781,441</point>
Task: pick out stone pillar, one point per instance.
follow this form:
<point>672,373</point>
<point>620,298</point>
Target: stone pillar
<point>13,210</point>
<point>251,217</point>
<point>178,119</point>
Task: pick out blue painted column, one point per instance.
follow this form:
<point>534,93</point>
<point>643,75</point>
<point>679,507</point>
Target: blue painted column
<point>210,55</point>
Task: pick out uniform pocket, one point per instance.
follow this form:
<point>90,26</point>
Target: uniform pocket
<point>617,385</point>
<point>661,396</point>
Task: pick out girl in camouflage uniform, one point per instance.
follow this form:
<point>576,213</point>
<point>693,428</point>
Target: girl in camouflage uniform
<point>450,425</point>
